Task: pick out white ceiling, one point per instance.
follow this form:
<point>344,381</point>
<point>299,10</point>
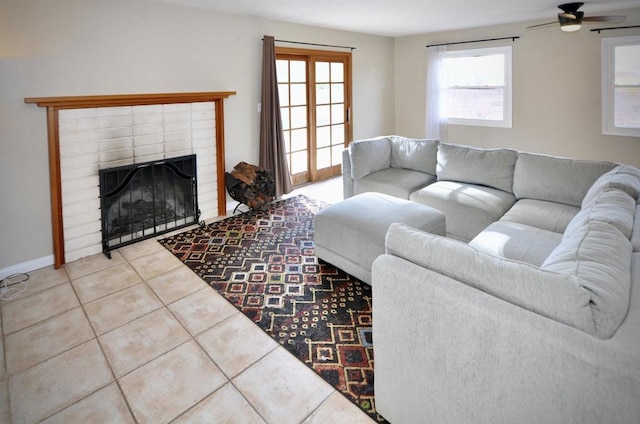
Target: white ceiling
<point>397,18</point>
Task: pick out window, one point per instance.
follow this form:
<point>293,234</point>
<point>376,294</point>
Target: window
<point>477,87</point>
<point>621,86</point>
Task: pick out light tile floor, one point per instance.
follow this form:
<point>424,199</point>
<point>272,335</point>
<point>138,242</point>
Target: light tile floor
<point>118,341</point>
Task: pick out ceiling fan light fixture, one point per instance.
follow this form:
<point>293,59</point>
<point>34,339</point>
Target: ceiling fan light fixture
<point>570,23</point>
<point>570,27</point>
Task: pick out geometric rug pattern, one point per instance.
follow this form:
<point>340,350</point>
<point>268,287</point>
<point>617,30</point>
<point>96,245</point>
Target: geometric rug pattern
<point>263,262</point>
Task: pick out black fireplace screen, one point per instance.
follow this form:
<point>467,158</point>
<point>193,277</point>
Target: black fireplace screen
<point>147,199</point>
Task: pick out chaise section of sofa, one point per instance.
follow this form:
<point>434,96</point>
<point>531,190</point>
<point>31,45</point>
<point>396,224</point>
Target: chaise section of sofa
<point>464,336</point>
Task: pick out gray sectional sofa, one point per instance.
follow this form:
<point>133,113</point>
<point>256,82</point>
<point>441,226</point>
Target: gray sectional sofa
<point>528,311</point>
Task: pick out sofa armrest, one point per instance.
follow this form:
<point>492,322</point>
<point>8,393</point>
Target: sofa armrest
<point>553,295</point>
<point>347,179</point>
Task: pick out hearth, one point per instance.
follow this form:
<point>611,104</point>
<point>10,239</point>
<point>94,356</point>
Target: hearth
<point>144,200</point>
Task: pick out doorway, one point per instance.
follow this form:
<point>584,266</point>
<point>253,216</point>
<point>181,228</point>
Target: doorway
<point>315,104</point>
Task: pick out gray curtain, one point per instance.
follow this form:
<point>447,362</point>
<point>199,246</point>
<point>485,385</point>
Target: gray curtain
<point>273,155</point>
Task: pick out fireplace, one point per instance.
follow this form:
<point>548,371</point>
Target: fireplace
<point>90,133</point>
<point>147,199</point>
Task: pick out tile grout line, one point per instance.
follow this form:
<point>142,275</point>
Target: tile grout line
<point>113,374</point>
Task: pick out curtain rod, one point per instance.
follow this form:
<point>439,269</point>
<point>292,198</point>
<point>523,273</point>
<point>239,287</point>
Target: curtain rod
<point>609,29</point>
<point>514,38</point>
<point>314,44</point>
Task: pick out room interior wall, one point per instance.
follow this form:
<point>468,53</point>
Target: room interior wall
<point>556,91</point>
<point>69,47</point>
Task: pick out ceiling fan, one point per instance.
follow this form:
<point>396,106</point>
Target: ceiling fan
<point>571,19</point>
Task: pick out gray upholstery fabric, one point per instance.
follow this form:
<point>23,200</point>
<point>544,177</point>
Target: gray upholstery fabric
<point>541,214</point>
<point>554,295</point>
<point>415,154</point>
<point>612,206</point>
<point>393,181</point>
<point>355,229</point>
<point>449,353</point>
<point>516,241</point>
<point>598,256</point>
<point>635,233</point>
<point>347,181</point>
<point>466,164</point>
<point>556,179</point>
<point>622,177</point>
<point>469,208</point>
<point>369,156</point>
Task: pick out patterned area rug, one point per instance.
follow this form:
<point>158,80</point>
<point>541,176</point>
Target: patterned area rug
<point>263,262</point>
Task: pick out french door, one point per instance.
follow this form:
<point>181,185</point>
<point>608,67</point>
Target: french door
<point>315,104</point>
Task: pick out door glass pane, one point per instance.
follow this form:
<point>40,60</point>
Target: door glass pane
<point>337,132</point>
<point>337,72</point>
<point>298,117</point>
<point>283,93</point>
<point>337,93</point>
<point>282,70</point>
<point>287,140</point>
<point>322,94</point>
<point>323,115</point>
<point>298,71</point>
<point>337,113</point>
<point>322,72</point>
<point>336,155</point>
<point>298,140</point>
<point>323,136</point>
<point>298,162</point>
<point>323,157</point>
<point>284,114</point>
<point>298,94</point>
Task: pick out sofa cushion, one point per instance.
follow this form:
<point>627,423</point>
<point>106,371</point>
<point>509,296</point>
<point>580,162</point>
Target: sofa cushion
<point>599,256</point>
<point>369,156</point>
<point>549,216</point>
<point>416,154</point>
<point>555,179</point>
<point>612,206</point>
<point>396,182</point>
<point>466,164</point>
<point>557,296</point>
<point>519,242</point>
<point>469,208</point>
<point>622,177</point>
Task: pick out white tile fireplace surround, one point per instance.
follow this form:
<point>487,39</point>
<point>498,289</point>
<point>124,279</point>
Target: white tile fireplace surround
<point>90,133</point>
<point>99,138</point>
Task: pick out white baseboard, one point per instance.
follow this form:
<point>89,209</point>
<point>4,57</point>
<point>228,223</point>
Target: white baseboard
<point>26,266</point>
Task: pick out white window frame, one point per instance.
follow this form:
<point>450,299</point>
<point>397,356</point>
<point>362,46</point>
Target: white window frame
<point>506,121</point>
<point>608,86</point>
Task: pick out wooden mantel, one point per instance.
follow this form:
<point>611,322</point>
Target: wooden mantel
<point>54,104</point>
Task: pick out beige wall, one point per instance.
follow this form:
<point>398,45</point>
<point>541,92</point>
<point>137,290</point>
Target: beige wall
<point>556,92</point>
<point>85,47</point>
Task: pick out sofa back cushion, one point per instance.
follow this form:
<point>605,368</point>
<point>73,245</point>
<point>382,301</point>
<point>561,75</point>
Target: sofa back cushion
<point>369,156</point>
<point>415,154</point>
<point>612,206</point>
<point>599,256</point>
<point>553,295</point>
<point>466,164</point>
<point>622,177</point>
<point>556,179</point>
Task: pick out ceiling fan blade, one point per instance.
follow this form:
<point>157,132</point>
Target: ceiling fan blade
<point>613,18</point>
<point>542,25</point>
